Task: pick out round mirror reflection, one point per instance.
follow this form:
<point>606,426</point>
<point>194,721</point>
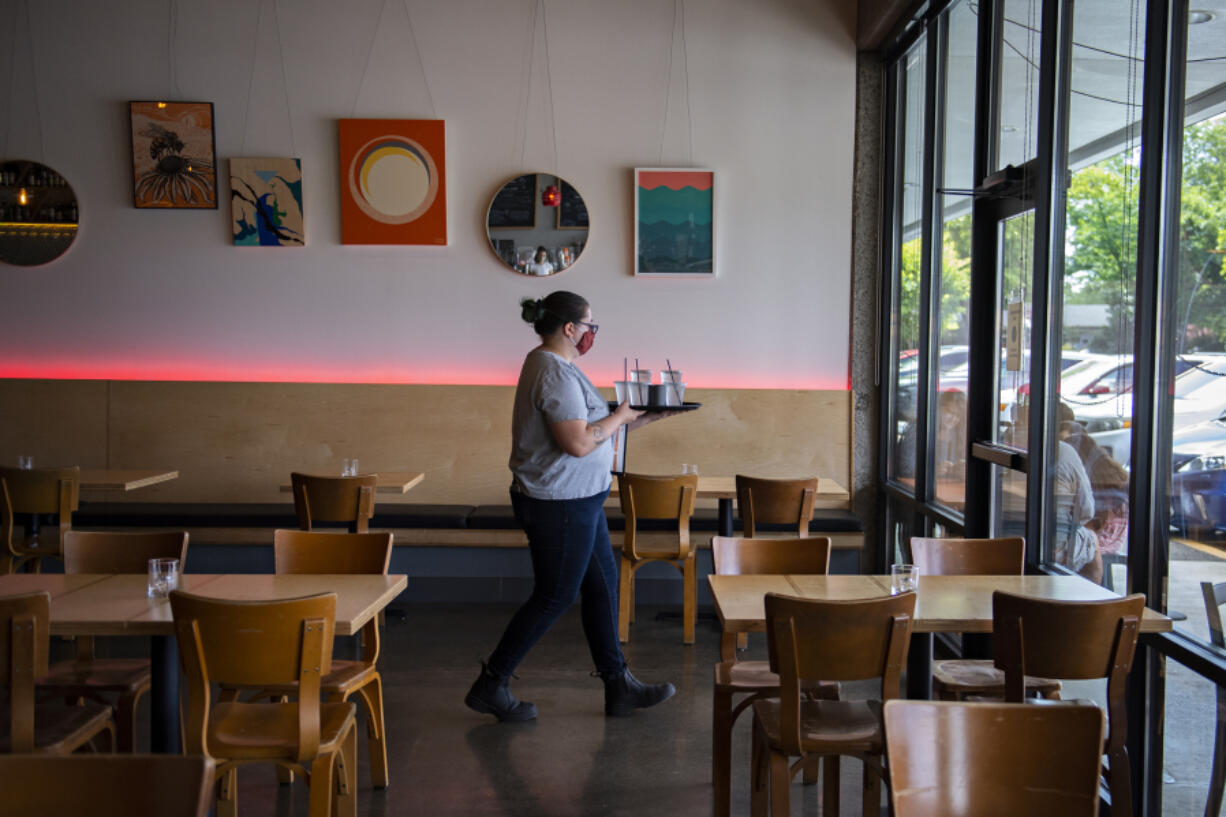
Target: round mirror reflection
<point>38,214</point>
<point>537,224</point>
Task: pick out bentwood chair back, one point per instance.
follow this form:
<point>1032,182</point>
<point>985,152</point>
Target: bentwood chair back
<point>969,557</point>
<point>1012,760</point>
<point>36,491</point>
<point>334,499</point>
<point>957,679</point>
<point>1075,640</point>
<point>651,497</point>
<point>739,556</point>
<point>775,502</point>
<point>839,641</point>
<point>24,726</point>
<point>107,786</point>
<point>1215,597</point>
<point>88,676</point>
<point>265,644</point>
<point>308,552</point>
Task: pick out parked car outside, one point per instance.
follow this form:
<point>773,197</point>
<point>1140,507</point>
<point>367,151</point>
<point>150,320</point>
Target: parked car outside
<point>1198,485</point>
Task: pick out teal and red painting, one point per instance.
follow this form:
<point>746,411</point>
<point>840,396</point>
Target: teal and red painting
<point>674,211</point>
<point>266,202</point>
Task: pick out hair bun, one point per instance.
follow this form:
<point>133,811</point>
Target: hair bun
<point>531,309</point>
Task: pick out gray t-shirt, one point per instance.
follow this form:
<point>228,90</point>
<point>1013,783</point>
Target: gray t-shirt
<point>550,390</point>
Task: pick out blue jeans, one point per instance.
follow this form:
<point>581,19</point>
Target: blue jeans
<point>571,558</point>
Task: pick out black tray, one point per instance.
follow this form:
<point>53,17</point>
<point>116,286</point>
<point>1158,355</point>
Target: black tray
<point>682,407</point>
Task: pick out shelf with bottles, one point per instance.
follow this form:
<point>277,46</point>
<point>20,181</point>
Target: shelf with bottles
<point>32,193</point>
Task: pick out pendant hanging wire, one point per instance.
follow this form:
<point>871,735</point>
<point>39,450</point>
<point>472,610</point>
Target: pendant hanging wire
<point>255,42</point>
<point>553,124</point>
<point>172,38</point>
<point>12,100</point>
<point>38,112</point>
<point>370,53</point>
<point>526,84</point>
<point>685,64</point>
<point>421,66</point>
<point>668,84</point>
<point>289,116</point>
<point>678,13</point>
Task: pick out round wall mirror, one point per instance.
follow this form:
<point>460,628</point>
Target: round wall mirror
<point>537,224</point>
<point>38,214</point>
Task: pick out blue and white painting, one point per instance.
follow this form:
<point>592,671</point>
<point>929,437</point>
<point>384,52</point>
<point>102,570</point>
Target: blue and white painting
<point>266,202</point>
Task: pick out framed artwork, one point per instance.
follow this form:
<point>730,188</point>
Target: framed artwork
<point>674,215</point>
<point>393,181</point>
<point>173,155</point>
<point>266,202</point>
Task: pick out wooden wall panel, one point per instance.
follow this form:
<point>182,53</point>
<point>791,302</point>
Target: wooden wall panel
<point>239,441</point>
<point>58,422</point>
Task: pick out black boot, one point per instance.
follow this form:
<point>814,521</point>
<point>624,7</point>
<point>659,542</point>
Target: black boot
<point>491,695</point>
<point>623,693</point>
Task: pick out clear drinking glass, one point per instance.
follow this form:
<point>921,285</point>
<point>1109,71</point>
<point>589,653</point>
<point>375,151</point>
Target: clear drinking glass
<point>25,462</point>
<point>903,579</point>
<point>689,468</point>
<point>349,467</point>
<point>163,577</point>
<point>622,387</point>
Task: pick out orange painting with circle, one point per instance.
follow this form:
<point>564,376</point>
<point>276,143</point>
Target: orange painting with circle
<point>393,181</point>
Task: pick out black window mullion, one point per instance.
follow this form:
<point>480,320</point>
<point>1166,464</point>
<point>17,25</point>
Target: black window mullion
<point>1049,186</point>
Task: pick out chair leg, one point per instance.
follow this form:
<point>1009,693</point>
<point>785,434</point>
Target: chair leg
<point>872,791</point>
<point>321,777</point>
<point>345,801</point>
<point>376,731</point>
<point>757,774</point>
<point>1217,780</point>
<point>830,786</point>
<point>810,771</point>
<point>227,794</point>
<point>285,775</point>
<point>625,602</point>
<point>689,603</point>
<point>780,783</point>
<point>125,721</point>
<point>742,641</point>
<point>1121,783</point>
<point>721,752</point>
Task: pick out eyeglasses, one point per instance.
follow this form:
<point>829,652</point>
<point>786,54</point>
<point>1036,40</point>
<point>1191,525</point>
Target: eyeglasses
<point>591,327</point>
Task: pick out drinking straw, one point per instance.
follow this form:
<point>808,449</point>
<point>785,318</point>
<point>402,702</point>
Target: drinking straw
<point>672,376</point>
<point>625,369</point>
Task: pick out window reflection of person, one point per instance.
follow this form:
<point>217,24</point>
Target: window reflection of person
<point>949,452</point>
<point>540,263</point>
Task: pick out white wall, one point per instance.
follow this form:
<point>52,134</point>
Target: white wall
<point>156,294</point>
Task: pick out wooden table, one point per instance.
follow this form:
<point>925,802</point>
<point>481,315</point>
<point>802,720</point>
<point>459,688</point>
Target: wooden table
<point>101,604</point>
<point>389,482</point>
<point>944,604</point>
<point>829,495</point>
<point>123,479</point>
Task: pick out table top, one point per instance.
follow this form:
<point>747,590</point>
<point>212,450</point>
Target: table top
<point>123,479</point>
<point>115,604</point>
<point>951,604</point>
<point>829,492</point>
<point>389,482</point>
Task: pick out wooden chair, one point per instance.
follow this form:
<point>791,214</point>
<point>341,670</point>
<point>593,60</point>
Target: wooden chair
<point>646,497</point>
<point>839,641</point>
<point>1215,597</point>
<point>36,491</point>
<point>735,556</point>
<point>1007,760</point>
<point>267,644</point>
<point>775,502</point>
<point>954,680</point>
<point>305,552</point>
<point>334,499</point>
<point>107,786</point>
<point>27,727</point>
<point>94,678</point>
<point>1075,640</point>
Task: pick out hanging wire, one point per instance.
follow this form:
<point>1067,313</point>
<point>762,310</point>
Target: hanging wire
<point>553,123</point>
<point>420,64</point>
<point>526,84</point>
<point>370,53</point>
<point>685,64</point>
<point>172,38</point>
<point>289,116</point>
<point>12,102</point>
<point>255,42</point>
<point>668,86</point>
<point>38,112</point>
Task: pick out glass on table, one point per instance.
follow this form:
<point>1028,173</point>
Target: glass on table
<point>25,462</point>
<point>163,577</point>
<point>349,467</point>
<point>903,579</point>
<point>689,468</point>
